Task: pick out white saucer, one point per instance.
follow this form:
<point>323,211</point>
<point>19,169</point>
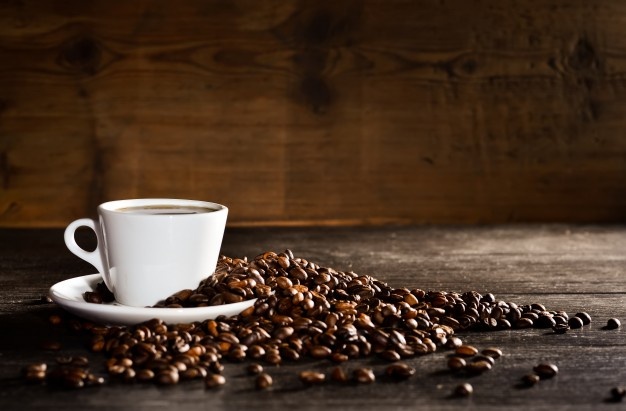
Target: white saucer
<point>69,295</point>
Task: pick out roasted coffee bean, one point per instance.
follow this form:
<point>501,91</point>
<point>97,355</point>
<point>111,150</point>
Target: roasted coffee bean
<point>546,371</point>
<point>145,375</point>
<point>50,345</point>
<point>453,342</point>
<point>214,380</point>
<point>529,380</point>
<point>492,352</point>
<point>363,375</point>
<point>339,374</point>
<point>92,297</point>
<point>311,377</point>
<point>466,351</point>
<point>263,381</point>
<point>463,390</point>
<point>478,367</point>
<point>618,393</point>
<point>560,328</point>
<point>612,324</point>
<point>575,322</point>
<point>456,363</point>
<point>55,319</point>
<point>35,372</point>
<point>585,317</point>
<point>254,369</point>
<point>399,371</point>
<point>390,355</point>
<point>167,377</point>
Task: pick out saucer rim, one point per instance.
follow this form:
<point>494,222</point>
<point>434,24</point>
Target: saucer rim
<point>115,313</point>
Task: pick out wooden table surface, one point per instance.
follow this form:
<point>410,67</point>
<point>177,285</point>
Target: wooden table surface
<point>571,268</point>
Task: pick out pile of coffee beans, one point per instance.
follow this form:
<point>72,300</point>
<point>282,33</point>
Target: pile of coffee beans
<point>305,310</point>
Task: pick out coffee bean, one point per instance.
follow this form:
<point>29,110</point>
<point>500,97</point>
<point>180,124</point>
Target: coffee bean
<point>492,352</point>
<point>214,380</point>
<point>254,369</point>
<point>363,375</point>
<point>456,363</point>
<point>338,374</point>
<point>466,351</point>
<point>263,381</point>
<point>586,318</point>
<point>618,393</point>
<point>311,377</point>
<point>529,380</point>
<point>463,390</point>
<point>93,297</point>
<point>50,345</point>
<point>560,328</point>
<point>399,371</point>
<point>546,371</point>
<point>478,367</point>
<point>612,324</point>
<point>575,322</point>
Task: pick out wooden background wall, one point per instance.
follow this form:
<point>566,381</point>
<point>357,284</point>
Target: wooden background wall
<point>316,112</point>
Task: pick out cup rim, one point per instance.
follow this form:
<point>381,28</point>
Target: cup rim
<point>114,206</point>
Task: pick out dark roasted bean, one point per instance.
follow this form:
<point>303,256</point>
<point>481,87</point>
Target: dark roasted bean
<point>612,324</point>
<point>585,317</point>
<point>575,322</point>
<point>492,352</point>
<point>399,371</point>
<point>463,390</point>
<point>263,381</point>
<point>456,363</point>
<point>466,351</point>
<point>339,374</point>
<point>312,377</point>
<point>560,328</point>
<point>363,375</point>
<point>254,369</point>
<point>214,380</point>
<point>529,380</point>
<point>478,367</point>
<point>546,371</point>
<point>617,394</point>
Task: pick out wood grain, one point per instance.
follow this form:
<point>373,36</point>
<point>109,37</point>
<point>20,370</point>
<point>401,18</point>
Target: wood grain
<point>307,112</point>
<point>565,267</point>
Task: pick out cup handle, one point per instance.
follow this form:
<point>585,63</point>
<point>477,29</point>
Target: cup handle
<point>92,257</point>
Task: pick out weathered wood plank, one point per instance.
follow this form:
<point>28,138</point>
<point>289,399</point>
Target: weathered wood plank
<point>306,113</point>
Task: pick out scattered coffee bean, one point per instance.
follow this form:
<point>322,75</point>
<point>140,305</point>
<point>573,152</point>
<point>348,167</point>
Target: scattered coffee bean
<point>575,322</point>
<point>618,393</point>
<point>363,375</point>
<point>254,369</point>
<point>466,351</point>
<point>50,345</point>
<point>492,352</point>
<point>399,371</point>
<point>560,328</point>
<point>546,371</point>
<point>530,380</point>
<point>92,297</point>
<point>312,377</point>
<point>456,363</point>
<point>35,372</point>
<point>55,319</point>
<point>586,318</point>
<point>613,324</point>
<point>478,367</point>
<point>463,390</point>
<point>338,374</point>
<point>214,380</point>
<point>263,381</point>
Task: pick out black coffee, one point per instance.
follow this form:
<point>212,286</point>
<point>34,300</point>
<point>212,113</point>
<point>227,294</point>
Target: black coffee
<point>164,209</point>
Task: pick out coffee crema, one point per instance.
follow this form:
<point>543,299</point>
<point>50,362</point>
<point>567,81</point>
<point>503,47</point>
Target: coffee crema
<point>165,209</point>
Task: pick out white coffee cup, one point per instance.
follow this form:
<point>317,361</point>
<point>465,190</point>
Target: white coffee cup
<point>150,248</point>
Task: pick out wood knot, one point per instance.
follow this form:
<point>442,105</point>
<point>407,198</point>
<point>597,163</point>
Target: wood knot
<point>583,56</point>
<point>82,54</point>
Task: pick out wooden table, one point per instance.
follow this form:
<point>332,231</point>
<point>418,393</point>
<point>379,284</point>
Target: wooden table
<point>571,268</point>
